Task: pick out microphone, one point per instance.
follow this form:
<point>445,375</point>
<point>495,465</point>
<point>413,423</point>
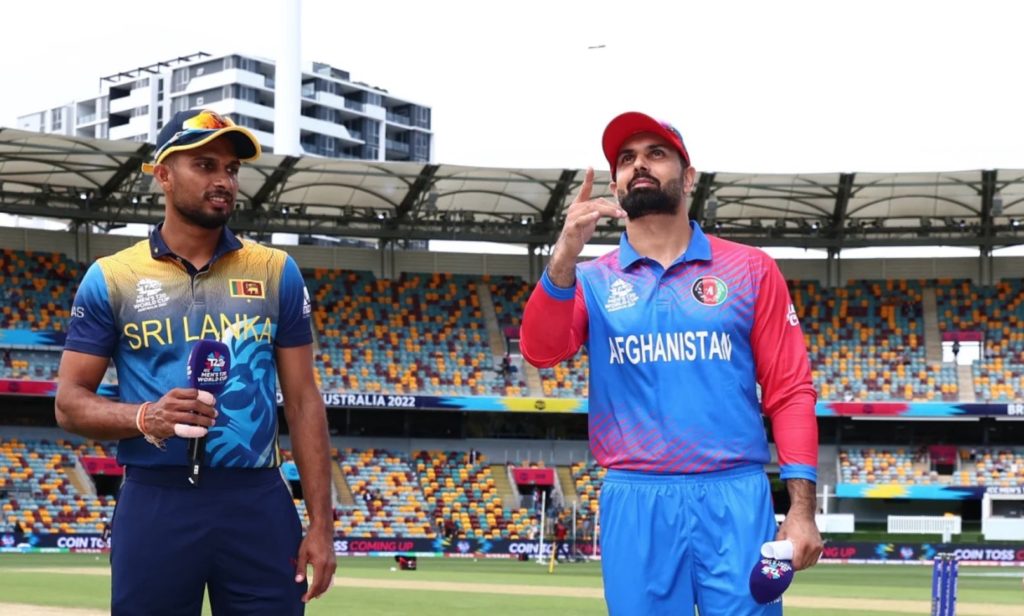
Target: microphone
<point>773,572</point>
<point>208,365</point>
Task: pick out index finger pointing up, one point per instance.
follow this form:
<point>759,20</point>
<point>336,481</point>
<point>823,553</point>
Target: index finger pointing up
<point>588,185</point>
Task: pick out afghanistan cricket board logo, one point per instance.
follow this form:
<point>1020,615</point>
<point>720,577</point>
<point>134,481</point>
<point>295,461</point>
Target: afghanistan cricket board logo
<point>709,290</point>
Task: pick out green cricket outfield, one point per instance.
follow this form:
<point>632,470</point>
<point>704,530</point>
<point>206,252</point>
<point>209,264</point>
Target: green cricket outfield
<point>79,585</point>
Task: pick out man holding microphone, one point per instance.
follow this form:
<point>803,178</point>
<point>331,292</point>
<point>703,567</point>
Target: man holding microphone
<point>214,513</point>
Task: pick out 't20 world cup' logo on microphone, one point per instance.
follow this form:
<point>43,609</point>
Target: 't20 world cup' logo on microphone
<point>213,370</point>
<point>213,373</point>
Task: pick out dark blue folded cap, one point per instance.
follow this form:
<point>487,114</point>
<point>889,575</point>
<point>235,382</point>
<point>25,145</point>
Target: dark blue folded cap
<point>770,578</point>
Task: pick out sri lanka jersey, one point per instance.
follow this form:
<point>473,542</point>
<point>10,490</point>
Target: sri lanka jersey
<point>676,355</point>
<point>145,308</point>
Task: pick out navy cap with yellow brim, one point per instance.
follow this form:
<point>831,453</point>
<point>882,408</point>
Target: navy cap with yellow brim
<point>194,128</point>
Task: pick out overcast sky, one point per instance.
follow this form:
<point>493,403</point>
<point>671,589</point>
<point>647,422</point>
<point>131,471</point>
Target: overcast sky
<point>754,86</point>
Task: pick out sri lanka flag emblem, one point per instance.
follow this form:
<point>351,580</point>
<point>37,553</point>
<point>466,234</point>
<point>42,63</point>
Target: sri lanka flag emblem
<point>249,289</point>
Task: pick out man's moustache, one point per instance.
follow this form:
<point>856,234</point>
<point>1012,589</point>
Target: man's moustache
<point>222,195</point>
<point>644,177</point>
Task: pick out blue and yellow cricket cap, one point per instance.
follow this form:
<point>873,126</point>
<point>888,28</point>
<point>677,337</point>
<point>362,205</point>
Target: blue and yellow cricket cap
<point>196,127</point>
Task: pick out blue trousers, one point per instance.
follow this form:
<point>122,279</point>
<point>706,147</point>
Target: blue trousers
<point>237,534</point>
<point>672,542</point>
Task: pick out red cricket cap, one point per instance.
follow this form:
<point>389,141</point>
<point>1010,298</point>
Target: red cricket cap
<point>624,126</point>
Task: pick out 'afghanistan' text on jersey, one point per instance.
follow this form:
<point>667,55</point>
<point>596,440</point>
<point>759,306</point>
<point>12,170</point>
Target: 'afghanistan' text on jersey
<point>676,355</point>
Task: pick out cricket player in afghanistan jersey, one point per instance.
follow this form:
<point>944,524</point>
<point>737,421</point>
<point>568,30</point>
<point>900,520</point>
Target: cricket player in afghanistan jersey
<point>681,328</point>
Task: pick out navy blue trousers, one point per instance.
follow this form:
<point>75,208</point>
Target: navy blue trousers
<point>237,534</point>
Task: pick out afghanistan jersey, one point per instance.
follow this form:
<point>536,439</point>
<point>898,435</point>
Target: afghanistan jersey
<point>676,355</point>
<point>145,308</point>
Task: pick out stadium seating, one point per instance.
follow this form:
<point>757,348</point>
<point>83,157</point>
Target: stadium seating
<point>39,493</point>
<point>588,477</point>
<point>991,467</point>
<point>40,364</point>
<point>463,491</point>
<point>388,497</point>
<point>878,465</point>
<point>509,294</point>
<point>97,449</point>
<point>426,333</point>
<point>866,342</point>
<point>32,365</point>
<point>997,312</point>
<point>566,380</point>
<point>417,334</point>
<point>36,293</point>
<point>977,466</point>
<point>36,289</point>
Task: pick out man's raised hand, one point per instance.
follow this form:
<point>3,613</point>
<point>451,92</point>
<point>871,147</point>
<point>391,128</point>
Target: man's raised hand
<point>580,223</point>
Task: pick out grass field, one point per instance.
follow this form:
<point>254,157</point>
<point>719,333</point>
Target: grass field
<point>444,587</point>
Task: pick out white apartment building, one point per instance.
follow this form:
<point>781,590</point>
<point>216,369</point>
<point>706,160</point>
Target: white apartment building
<point>341,118</point>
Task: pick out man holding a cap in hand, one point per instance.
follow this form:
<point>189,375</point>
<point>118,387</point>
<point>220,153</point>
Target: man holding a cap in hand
<point>680,328</point>
<point>236,533</point>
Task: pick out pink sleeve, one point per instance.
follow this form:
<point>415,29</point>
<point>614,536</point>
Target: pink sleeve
<point>554,324</point>
<point>783,370</point>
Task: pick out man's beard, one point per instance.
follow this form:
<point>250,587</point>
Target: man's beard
<point>206,220</point>
<point>640,202</point>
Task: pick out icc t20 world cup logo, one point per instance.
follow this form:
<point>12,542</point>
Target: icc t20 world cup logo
<point>214,363</point>
<point>213,369</point>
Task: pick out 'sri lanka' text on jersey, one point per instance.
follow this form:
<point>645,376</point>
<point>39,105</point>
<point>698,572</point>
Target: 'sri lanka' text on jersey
<point>145,308</point>
<point>148,332</point>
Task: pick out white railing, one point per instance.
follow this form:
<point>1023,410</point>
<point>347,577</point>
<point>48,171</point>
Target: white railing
<point>828,522</point>
<point>946,525</point>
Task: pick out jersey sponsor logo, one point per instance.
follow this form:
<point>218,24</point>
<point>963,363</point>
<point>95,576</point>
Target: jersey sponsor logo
<point>307,306</point>
<point>248,289</point>
<point>699,345</point>
<point>149,295</point>
<point>791,316</point>
<point>709,290</point>
<point>621,295</point>
<point>77,312</point>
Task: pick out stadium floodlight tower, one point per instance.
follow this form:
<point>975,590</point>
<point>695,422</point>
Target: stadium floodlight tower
<point>288,80</point>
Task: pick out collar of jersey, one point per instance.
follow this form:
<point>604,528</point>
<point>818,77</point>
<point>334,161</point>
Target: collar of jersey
<point>698,250</point>
<point>158,247</point>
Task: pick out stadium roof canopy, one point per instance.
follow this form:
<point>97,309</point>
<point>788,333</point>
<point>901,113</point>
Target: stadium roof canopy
<point>97,181</point>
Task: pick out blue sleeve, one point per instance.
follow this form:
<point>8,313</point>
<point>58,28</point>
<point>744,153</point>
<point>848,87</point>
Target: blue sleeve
<point>798,471</point>
<point>293,321</point>
<point>91,328</point>
<point>556,292</point>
